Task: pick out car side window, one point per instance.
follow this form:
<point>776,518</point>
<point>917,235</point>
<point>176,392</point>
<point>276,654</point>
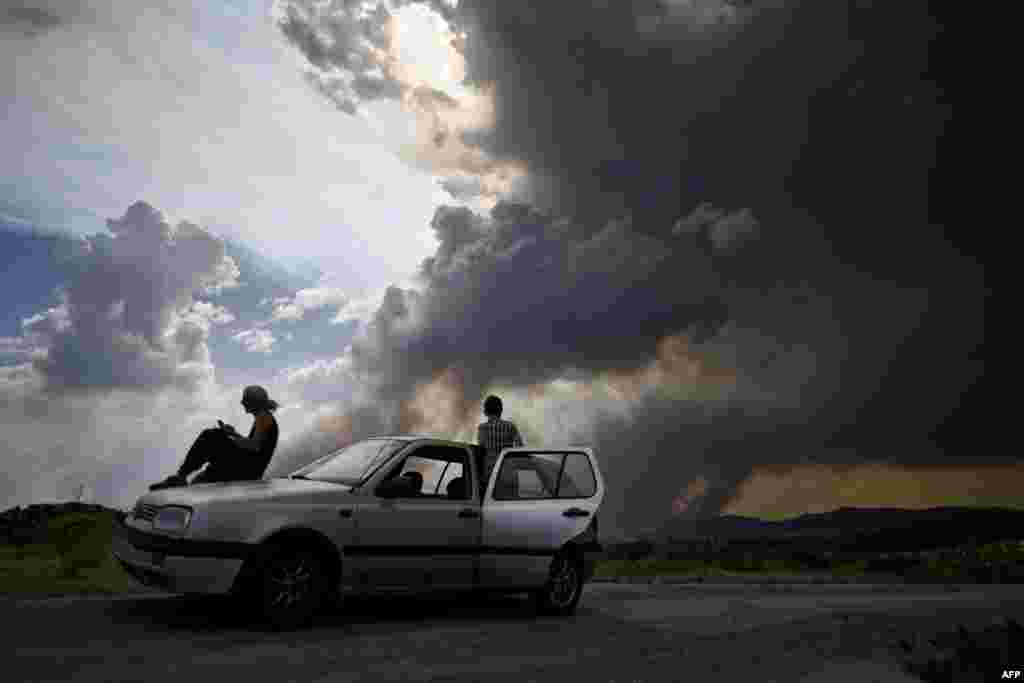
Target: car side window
<point>532,476</point>
<point>438,466</point>
<point>529,485</point>
<point>528,476</point>
<point>454,471</point>
<point>578,479</point>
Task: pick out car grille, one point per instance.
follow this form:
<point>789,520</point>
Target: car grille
<point>144,511</point>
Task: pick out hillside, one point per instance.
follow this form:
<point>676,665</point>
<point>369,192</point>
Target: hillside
<point>901,528</point>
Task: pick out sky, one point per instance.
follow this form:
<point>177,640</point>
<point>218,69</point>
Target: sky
<point>697,235</point>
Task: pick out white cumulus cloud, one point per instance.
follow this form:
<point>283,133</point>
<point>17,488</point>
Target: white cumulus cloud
<point>128,318</point>
<point>205,314</point>
<point>256,340</point>
<point>305,300</point>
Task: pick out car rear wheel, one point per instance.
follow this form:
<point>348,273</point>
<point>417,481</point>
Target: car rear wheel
<point>564,586</point>
<point>292,586</point>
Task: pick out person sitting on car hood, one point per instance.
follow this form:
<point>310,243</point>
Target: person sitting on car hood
<point>228,455</point>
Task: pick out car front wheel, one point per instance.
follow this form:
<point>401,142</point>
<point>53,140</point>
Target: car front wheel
<point>564,587</point>
<point>292,586</point>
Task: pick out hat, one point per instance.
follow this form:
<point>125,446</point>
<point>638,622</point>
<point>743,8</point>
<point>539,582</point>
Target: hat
<point>257,396</point>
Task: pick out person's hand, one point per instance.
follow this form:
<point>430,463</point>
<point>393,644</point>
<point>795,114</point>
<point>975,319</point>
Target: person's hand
<point>227,428</point>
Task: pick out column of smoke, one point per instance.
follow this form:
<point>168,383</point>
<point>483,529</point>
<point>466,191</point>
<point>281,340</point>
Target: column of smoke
<point>652,407</point>
<point>689,172</point>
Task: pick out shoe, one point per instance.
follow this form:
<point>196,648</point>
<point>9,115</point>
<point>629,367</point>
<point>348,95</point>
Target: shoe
<point>170,482</point>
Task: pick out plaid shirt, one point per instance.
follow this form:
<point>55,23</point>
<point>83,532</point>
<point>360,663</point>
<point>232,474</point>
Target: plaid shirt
<point>495,435</point>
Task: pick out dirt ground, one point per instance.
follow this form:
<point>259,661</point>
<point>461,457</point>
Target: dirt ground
<point>621,632</point>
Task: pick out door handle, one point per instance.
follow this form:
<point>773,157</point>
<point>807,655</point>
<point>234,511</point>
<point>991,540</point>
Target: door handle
<point>345,512</point>
<point>467,513</point>
<point>575,512</point>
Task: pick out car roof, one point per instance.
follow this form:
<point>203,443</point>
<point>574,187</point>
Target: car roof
<point>422,437</point>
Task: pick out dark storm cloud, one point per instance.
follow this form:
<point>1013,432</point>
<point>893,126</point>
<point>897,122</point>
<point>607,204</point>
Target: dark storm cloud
<point>822,118</point>
<point>340,39</point>
<point>807,363</point>
<point>763,111</point>
<point>764,165</point>
<point>456,229</point>
<point>653,458</point>
<point>523,298</point>
<point>462,188</point>
<point>27,19</point>
<point>347,44</point>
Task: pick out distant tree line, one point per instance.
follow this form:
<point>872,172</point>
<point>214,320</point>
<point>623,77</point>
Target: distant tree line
<point>24,525</point>
<point>896,547</point>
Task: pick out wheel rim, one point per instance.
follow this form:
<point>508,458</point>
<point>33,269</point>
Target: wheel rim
<point>291,581</point>
<point>564,583</point>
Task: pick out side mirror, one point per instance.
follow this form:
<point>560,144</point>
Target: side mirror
<point>394,488</point>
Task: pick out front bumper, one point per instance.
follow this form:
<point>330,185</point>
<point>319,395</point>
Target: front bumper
<point>177,565</point>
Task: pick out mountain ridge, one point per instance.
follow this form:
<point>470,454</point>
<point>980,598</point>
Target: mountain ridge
<point>956,523</point>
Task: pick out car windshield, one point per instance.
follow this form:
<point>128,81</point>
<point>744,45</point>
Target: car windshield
<point>351,464</point>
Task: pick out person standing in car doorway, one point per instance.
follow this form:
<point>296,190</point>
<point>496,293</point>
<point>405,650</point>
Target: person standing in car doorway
<point>495,434</point>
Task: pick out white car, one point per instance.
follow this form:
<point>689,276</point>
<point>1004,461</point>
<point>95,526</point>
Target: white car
<point>384,514</point>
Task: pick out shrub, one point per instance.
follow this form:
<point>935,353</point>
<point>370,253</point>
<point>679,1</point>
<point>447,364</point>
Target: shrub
<point>82,541</point>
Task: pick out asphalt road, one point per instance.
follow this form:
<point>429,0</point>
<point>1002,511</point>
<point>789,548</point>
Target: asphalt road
<point>621,632</point>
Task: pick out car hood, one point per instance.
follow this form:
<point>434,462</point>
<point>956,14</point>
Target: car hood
<point>292,490</point>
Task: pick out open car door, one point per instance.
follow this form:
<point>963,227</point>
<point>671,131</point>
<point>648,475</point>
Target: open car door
<point>536,502</point>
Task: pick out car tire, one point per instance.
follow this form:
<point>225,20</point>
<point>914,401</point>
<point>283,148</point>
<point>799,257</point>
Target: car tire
<point>291,587</point>
<point>564,587</point>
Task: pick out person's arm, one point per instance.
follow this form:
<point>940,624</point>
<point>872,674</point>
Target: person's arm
<point>516,439</point>
<point>262,428</point>
<point>480,435</point>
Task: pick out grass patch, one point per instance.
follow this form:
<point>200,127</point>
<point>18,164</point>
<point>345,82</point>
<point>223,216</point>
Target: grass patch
<point>1001,552</point>
<point>952,570</point>
<point>75,559</point>
<point>741,567</point>
<point>849,569</point>
<point>656,567</point>
<point>944,569</point>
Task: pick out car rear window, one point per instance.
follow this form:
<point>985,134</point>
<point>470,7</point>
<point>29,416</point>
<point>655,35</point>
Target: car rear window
<point>532,476</point>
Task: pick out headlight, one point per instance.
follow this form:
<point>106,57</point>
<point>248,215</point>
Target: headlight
<point>172,519</point>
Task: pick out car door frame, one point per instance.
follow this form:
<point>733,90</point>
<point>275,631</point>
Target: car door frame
<point>520,538</point>
<point>433,560</point>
